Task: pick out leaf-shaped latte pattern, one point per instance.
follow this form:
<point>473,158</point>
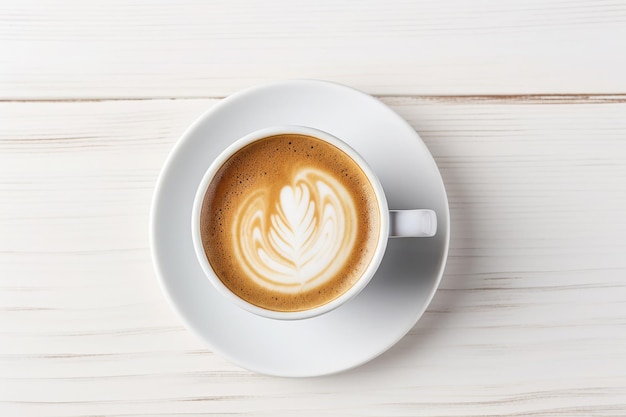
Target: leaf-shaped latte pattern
<point>302,238</point>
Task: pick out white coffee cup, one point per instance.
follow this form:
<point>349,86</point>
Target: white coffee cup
<point>393,223</point>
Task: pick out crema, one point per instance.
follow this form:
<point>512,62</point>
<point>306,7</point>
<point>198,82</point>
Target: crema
<point>289,222</point>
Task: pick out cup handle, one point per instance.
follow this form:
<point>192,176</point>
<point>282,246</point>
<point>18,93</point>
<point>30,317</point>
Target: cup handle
<point>412,223</point>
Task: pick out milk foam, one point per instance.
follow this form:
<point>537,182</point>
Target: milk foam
<point>299,239</point>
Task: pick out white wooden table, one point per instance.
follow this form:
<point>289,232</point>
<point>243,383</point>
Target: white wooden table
<point>522,104</point>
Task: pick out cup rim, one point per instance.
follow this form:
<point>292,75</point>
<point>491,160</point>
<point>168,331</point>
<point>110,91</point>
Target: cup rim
<point>254,136</point>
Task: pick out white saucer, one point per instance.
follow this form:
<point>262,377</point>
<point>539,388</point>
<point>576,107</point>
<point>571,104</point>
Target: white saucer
<point>364,327</point>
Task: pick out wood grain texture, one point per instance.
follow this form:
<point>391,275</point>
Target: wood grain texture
<point>530,319</point>
<point>123,48</point>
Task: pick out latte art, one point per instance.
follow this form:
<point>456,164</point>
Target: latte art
<point>300,241</point>
<point>289,222</point>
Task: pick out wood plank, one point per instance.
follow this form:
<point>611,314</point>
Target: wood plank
<point>121,48</point>
<point>530,318</point>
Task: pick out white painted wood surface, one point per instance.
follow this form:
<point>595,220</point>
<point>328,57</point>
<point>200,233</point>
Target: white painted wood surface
<point>189,48</point>
<point>521,104</point>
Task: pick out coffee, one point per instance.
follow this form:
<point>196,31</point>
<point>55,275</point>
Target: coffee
<point>289,222</point>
